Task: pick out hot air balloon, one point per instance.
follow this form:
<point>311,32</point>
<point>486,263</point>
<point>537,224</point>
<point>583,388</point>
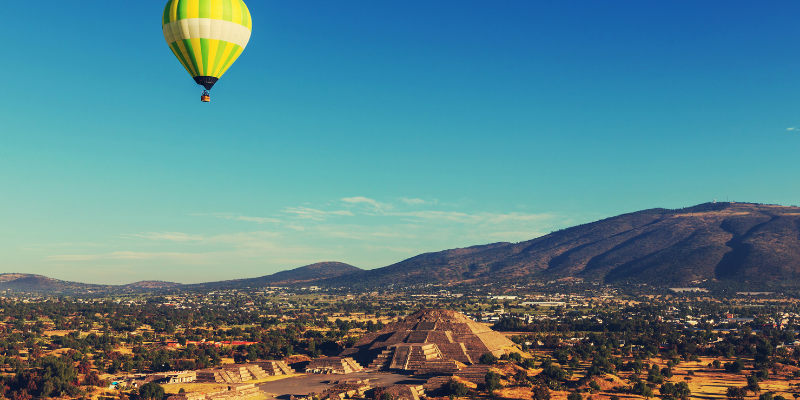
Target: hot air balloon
<point>206,36</point>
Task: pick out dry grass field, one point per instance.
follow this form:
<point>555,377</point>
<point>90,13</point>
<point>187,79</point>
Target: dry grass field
<point>704,382</point>
<point>174,388</point>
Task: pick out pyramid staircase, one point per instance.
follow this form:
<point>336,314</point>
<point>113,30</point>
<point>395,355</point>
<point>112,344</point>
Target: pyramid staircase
<point>383,360</point>
<point>257,372</point>
<point>273,368</point>
<point>232,374</point>
<point>473,373</point>
<point>333,365</point>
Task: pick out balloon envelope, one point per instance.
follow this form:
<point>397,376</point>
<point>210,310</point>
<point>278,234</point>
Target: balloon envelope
<point>206,36</point>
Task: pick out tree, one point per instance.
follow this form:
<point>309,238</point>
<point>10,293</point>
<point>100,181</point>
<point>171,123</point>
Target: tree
<point>488,359</point>
<point>456,388</point>
<point>492,382</point>
<point>574,396</point>
<point>736,393</point>
<point>93,379</point>
<point>752,384</point>
<point>529,363</point>
<point>735,367</point>
<point>151,390</point>
<point>539,392</point>
<point>675,391</point>
<point>521,378</point>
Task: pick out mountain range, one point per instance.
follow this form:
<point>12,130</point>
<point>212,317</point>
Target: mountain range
<point>712,241</point>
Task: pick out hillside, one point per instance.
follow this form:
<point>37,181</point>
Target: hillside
<point>309,273</point>
<point>37,283</point>
<point>746,242</point>
<point>720,241</point>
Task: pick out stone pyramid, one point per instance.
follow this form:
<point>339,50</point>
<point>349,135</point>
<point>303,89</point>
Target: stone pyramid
<point>333,365</point>
<point>429,341</point>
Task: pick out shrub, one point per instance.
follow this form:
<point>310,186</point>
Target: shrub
<point>151,390</point>
<point>455,388</point>
<point>493,381</point>
<point>540,393</point>
<point>488,359</point>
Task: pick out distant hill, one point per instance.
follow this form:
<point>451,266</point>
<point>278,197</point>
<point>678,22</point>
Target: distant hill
<point>153,285</point>
<point>306,274</point>
<point>37,283</point>
<point>734,242</point>
<point>724,241</point>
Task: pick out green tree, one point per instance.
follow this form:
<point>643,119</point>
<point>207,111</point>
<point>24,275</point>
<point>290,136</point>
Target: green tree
<point>456,388</point>
<point>735,393</point>
<point>574,396</point>
<point>152,391</point>
<point>488,359</point>
<point>540,392</point>
<point>492,382</point>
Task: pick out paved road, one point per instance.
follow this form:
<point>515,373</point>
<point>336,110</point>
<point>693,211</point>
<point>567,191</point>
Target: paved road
<point>303,385</point>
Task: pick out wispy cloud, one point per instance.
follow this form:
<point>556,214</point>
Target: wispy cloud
<point>259,220</point>
<point>168,236</point>
<point>794,128</point>
<point>314,214</point>
<point>416,202</point>
<point>373,234</point>
<point>129,255</point>
<point>237,217</point>
<point>374,204</point>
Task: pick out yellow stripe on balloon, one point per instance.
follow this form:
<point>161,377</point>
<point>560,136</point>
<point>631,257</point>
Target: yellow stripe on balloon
<point>173,11</point>
<point>246,19</point>
<point>221,45</point>
<point>236,12</point>
<point>212,54</point>
<point>225,54</point>
<point>193,9</point>
<point>238,53</point>
<point>198,56</point>
<point>216,9</point>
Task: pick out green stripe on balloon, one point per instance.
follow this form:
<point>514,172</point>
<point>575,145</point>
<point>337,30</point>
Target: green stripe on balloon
<point>192,58</point>
<point>227,12</point>
<point>230,57</point>
<point>218,57</point>
<point>182,7</point>
<point>177,50</point>
<point>204,51</point>
<point>205,8</point>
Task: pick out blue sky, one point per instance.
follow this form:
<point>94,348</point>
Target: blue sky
<point>368,132</point>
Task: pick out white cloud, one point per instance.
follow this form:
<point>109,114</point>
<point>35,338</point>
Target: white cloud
<point>376,205</point>
<point>314,214</point>
<point>236,217</point>
<point>793,129</point>
<point>376,234</point>
<point>414,202</point>
<point>259,220</point>
<point>129,255</point>
<point>168,236</point>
